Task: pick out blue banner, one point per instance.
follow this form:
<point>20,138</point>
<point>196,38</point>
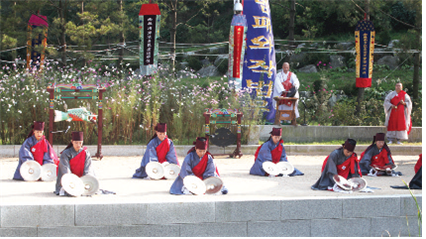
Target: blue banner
<point>259,61</point>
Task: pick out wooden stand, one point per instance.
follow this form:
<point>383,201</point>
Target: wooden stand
<point>291,113</point>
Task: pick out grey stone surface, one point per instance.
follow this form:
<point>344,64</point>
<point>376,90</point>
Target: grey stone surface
<point>220,59</point>
<point>18,232</point>
<point>230,229</point>
<point>37,215</point>
<point>337,61</point>
<point>287,228</point>
<point>408,205</point>
<point>311,209</point>
<point>195,212</point>
<point>73,231</point>
<point>391,61</point>
<point>165,230</point>
<point>345,45</point>
<point>295,60</point>
<point>348,227</point>
<point>247,211</point>
<point>253,137</point>
<point>377,207</point>
<point>392,43</point>
<point>394,226</point>
<point>110,214</point>
<point>208,71</point>
<point>308,69</point>
<point>8,151</point>
<point>121,150</point>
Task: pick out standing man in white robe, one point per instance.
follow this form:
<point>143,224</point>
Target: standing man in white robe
<point>288,78</point>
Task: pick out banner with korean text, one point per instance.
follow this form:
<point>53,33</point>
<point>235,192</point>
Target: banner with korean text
<point>259,61</point>
<point>364,46</point>
<point>149,25</point>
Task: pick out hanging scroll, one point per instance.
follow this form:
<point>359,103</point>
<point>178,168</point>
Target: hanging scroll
<point>237,45</point>
<point>149,25</point>
<point>37,35</point>
<point>364,46</point>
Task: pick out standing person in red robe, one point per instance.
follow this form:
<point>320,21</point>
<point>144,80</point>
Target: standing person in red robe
<point>198,162</point>
<point>398,108</point>
<point>342,161</point>
<point>35,147</point>
<point>75,159</point>
<point>377,155</point>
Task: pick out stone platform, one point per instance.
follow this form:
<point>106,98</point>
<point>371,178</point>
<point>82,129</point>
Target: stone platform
<point>254,206</point>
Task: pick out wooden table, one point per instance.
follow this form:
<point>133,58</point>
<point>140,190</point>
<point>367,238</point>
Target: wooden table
<point>291,113</point>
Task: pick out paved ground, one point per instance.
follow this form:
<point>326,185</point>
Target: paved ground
<point>114,174</point>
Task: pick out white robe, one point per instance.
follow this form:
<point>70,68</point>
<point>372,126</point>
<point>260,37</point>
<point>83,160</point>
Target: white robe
<point>278,88</point>
<point>407,110</point>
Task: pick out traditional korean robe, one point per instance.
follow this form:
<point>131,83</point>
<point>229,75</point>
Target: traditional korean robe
<point>398,121</point>
<point>78,163</point>
<point>194,165</point>
<point>373,156</point>
<point>279,87</point>
<point>40,151</point>
<point>157,151</point>
<point>337,163</point>
<point>270,152</point>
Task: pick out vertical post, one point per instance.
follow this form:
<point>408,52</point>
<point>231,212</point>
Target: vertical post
<point>207,125</point>
<point>51,91</point>
<point>100,124</point>
<point>238,149</point>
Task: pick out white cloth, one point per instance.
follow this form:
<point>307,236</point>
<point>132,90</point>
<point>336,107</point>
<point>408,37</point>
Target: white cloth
<point>407,110</point>
<point>278,88</point>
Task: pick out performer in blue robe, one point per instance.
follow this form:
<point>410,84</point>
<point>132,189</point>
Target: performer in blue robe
<point>272,150</point>
<point>198,162</point>
<point>37,148</point>
<point>75,159</point>
<point>378,155</point>
<point>159,149</point>
<point>342,161</point>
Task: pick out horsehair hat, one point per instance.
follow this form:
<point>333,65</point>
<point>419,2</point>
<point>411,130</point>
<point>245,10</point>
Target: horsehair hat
<point>379,137</point>
<point>201,143</point>
<point>161,127</point>
<point>77,136</point>
<point>276,131</point>
<point>38,125</point>
<point>349,145</point>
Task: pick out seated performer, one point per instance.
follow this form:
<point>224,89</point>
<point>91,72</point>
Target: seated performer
<point>74,159</point>
<point>159,149</point>
<point>272,150</point>
<point>198,162</point>
<point>342,161</point>
<point>416,181</point>
<point>378,155</point>
<point>37,148</point>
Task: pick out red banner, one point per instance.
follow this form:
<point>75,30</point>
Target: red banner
<point>238,43</point>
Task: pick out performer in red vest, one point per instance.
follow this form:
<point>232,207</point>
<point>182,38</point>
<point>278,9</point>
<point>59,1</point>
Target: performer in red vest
<point>286,84</point>
<point>198,162</point>
<point>75,159</point>
<point>37,148</point>
<point>159,149</point>
<point>272,150</point>
<point>398,108</point>
<point>377,155</point>
<point>342,161</point>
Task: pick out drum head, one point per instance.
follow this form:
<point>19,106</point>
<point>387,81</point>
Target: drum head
<point>30,170</point>
<point>48,172</point>
<point>285,167</point>
<point>90,184</point>
<point>72,184</point>
<point>342,182</point>
<point>358,183</point>
<point>194,185</point>
<point>213,185</point>
<point>165,163</point>
<point>171,171</point>
<point>154,170</point>
<point>270,168</point>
